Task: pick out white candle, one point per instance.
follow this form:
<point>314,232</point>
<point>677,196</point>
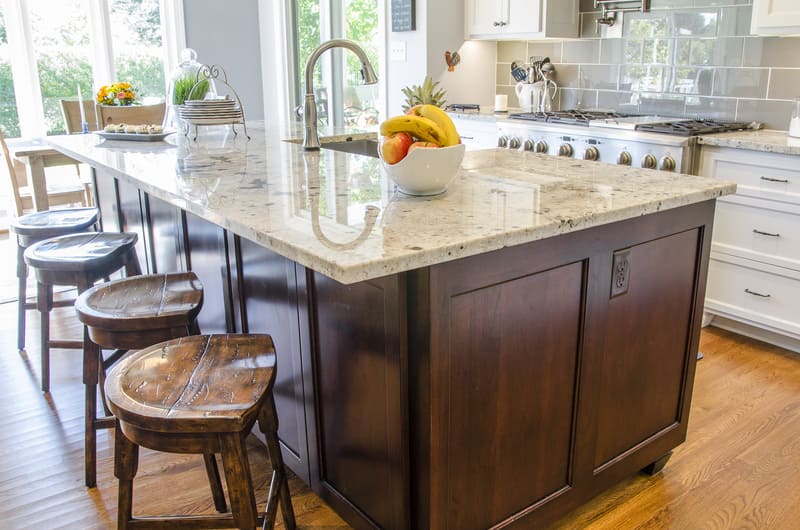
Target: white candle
<point>83,114</point>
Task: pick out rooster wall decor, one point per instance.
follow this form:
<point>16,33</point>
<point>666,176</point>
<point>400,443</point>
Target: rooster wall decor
<point>452,59</point>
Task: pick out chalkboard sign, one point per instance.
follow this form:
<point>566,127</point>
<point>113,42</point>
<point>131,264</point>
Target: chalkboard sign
<point>403,18</point>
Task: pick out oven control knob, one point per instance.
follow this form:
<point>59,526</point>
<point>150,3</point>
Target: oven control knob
<point>668,163</point>
<point>624,159</point>
<point>528,145</point>
<point>565,150</point>
<point>649,161</point>
<point>541,146</point>
<point>513,143</point>
<point>591,153</point>
<point>502,141</point>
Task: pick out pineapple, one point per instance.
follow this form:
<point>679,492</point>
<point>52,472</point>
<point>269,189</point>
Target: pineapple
<point>425,94</point>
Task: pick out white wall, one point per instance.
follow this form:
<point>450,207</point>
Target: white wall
<point>229,37</point>
<point>440,28</point>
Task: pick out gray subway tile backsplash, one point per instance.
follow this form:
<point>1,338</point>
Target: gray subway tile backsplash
<point>693,58</point>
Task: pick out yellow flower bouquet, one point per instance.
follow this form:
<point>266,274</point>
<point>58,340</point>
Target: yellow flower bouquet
<point>116,94</point>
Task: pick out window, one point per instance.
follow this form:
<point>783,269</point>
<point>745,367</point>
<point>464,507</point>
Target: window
<point>136,38</point>
<point>341,96</point>
<point>49,49</point>
<point>60,34</point>
<point>9,121</point>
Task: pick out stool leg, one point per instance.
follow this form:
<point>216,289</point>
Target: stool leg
<point>240,483</point>
<point>268,423</point>
<point>22,296</point>
<point>126,463</point>
<point>44,303</point>
<point>214,481</point>
<point>91,356</point>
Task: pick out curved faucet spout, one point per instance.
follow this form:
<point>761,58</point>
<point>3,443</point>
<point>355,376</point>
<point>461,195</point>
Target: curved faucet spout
<point>311,137</point>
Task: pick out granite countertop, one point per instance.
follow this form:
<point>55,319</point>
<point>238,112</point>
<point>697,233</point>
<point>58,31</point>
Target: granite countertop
<point>766,140</point>
<point>339,214</point>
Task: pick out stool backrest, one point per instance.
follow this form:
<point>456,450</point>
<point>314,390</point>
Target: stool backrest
<point>8,176</point>
<point>71,110</point>
<point>131,114</point>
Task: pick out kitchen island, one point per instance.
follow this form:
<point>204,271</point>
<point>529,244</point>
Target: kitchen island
<point>493,356</point>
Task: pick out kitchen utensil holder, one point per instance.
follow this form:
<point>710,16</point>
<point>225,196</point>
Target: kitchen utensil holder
<point>210,74</point>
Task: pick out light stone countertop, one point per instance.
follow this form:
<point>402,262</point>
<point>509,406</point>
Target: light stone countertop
<point>766,140</point>
<point>338,213</point>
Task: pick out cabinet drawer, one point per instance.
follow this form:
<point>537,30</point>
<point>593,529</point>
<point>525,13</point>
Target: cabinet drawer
<point>758,231</point>
<point>762,298</point>
<point>767,175</point>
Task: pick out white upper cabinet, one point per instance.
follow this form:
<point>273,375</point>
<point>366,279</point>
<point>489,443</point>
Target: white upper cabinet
<point>776,17</point>
<point>521,19</point>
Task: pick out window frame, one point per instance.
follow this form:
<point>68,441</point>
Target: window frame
<point>27,88</point>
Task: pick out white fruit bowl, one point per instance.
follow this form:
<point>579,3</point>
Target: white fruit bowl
<point>426,171</point>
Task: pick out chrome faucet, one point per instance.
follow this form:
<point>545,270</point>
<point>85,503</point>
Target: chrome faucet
<point>311,137</point>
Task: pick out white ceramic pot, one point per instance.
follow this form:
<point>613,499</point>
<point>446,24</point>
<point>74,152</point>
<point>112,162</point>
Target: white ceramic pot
<point>530,95</point>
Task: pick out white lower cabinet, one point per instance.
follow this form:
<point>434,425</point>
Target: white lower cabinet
<point>475,132</point>
<point>754,272</point>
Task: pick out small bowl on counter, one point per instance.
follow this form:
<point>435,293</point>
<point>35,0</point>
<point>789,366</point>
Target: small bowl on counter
<point>426,171</point>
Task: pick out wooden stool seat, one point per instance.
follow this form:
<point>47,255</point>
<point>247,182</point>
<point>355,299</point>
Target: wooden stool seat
<point>137,312</point>
<point>36,227</point>
<point>200,394</point>
<point>77,260</point>
<point>131,314</point>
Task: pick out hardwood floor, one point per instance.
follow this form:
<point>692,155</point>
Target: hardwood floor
<point>739,468</point>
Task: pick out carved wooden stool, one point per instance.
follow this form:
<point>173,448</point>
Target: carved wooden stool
<point>77,260</point>
<point>200,394</point>
<point>36,227</point>
<point>131,314</point>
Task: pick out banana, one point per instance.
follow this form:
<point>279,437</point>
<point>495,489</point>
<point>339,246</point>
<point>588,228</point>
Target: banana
<point>441,118</point>
<point>418,126</point>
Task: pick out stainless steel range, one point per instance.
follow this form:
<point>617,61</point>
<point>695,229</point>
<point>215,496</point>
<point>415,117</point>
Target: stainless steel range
<point>651,142</point>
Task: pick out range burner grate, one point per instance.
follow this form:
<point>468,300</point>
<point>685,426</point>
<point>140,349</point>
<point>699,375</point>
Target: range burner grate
<point>693,127</point>
<point>570,117</point>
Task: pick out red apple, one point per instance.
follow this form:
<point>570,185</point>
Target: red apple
<point>422,145</point>
<point>395,147</point>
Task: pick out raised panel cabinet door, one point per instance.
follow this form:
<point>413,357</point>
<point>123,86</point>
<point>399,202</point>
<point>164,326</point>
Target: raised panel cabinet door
<point>775,17</point>
<point>268,301</point>
<point>524,16</point>
<point>486,17</point>
<point>645,358</point>
<point>132,220</point>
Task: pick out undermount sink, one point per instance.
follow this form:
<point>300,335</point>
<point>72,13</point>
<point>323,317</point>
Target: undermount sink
<point>364,146</point>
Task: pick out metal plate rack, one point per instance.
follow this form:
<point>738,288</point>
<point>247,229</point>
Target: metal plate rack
<point>204,112</point>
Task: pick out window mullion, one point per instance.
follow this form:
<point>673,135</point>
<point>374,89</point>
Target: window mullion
<point>173,34</point>
<point>103,69</point>
<point>24,69</point>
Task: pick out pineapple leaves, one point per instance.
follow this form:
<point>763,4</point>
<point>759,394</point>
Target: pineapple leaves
<point>427,94</point>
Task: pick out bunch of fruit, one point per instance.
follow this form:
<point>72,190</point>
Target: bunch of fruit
<point>423,126</point>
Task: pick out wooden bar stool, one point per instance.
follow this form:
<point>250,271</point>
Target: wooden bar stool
<point>77,260</point>
<point>200,394</point>
<point>36,227</point>
<point>131,314</point>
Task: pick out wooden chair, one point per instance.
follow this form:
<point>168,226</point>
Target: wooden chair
<point>132,114</point>
<point>131,314</point>
<point>77,260</point>
<point>70,109</point>
<point>20,192</point>
<point>200,394</point>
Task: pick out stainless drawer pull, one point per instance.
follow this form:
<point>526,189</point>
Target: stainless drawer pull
<point>748,291</point>
<point>765,233</point>
<point>770,179</point>
<point>467,137</point>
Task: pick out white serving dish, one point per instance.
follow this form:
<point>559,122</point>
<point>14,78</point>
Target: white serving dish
<point>426,171</point>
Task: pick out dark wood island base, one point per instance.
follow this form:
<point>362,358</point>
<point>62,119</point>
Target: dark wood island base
<point>498,390</point>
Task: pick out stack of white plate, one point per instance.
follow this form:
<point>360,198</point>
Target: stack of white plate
<point>210,111</point>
